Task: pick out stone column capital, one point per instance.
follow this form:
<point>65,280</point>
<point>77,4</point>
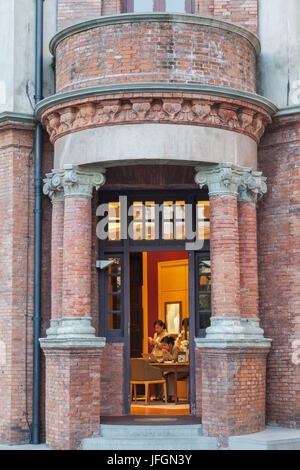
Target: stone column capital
<point>228,179</point>
<point>253,186</point>
<point>81,182</point>
<point>73,181</point>
<point>53,186</point>
<point>222,179</point>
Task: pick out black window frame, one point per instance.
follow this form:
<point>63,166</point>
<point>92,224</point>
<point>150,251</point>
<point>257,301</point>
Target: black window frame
<point>200,256</point>
<point>122,248</point>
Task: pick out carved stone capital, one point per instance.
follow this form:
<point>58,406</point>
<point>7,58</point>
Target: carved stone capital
<point>229,179</point>
<point>253,186</point>
<point>81,182</point>
<point>53,186</point>
<point>221,179</point>
<point>73,181</point>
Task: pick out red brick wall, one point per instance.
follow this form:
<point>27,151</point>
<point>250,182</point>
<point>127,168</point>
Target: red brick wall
<point>233,392</point>
<point>279,260</point>
<point>198,381</point>
<point>73,11</point>
<point>242,12</point>
<point>112,380</point>
<point>73,397</point>
<point>112,7</point>
<point>155,52</point>
<point>15,151</point>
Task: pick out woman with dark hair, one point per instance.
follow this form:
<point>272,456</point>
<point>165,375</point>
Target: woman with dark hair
<point>155,342</point>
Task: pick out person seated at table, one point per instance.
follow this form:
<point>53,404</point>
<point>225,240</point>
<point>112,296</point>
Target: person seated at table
<point>181,340</point>
<point>169,350</point>
<point>155,342</point>
<point>170,353</point>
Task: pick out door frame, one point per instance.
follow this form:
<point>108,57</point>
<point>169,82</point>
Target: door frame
<point>123,248</point>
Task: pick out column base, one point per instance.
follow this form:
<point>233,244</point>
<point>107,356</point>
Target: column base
<point>71,332</point>
<point>234,332</point>
<point>73,365</point>
<point>233,361</point>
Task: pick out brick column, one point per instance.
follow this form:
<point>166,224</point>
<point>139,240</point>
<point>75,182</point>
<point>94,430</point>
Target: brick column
<point>53,189</point>
<point>72,351</point>
<point>233,354</point>
<point>252,186</point>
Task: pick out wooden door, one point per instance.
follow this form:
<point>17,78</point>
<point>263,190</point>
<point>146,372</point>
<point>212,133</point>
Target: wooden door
<point>136,304</point>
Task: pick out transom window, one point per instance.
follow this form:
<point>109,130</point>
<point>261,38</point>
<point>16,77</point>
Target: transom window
<point>149,221</point>
<point>171,6</point>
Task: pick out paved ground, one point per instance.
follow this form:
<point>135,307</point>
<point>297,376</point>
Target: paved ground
<point>25,447</point>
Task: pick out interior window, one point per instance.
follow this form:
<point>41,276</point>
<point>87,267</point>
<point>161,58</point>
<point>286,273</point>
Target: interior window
<point>142,6</point>
<point>175,5</point>
<point>146,6</point>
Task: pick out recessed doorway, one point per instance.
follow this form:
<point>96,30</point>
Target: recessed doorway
<point>159,294</point>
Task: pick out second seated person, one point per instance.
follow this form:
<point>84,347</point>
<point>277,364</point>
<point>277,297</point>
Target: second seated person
<point>170,353</point>
<point>155,343</point>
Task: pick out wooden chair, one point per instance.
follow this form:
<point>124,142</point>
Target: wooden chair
<point>142,373</point>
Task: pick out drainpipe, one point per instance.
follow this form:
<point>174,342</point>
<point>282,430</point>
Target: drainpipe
<point>37,225</point>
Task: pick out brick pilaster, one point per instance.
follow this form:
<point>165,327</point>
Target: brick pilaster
<point>233,354</point>
<point>73,353</point>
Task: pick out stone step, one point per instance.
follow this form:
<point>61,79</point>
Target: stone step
<point>272,438</point>
<point>176,437</point>
<point>135,431</point>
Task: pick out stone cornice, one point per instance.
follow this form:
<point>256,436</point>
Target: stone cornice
<point>155,17</point>
<point>288,111</point>
<point>8,119</point>
<point>222,92</point>
<point>197,110</point>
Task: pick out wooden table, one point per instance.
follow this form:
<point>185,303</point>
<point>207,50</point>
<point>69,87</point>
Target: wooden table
<point>174,367</point>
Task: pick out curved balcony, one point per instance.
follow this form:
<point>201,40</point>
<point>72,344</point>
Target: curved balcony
<point>157,48</point>
<point>155,88</point>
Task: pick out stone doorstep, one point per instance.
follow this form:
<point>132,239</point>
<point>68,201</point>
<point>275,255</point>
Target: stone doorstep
<point>178,438</point>
<point>272,438</point>
<point>142,437</point>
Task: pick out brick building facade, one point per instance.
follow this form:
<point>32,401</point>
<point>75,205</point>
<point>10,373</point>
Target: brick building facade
<point>196,101</point>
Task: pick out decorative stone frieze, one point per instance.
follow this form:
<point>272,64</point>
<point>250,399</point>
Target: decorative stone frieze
<point>198,111</point>
<point>73,181</point>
